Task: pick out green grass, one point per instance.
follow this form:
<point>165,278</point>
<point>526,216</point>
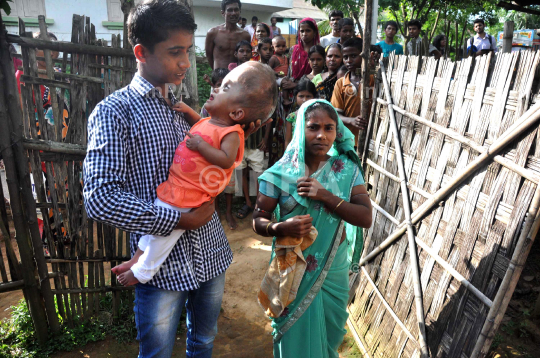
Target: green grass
<point>202,69</point>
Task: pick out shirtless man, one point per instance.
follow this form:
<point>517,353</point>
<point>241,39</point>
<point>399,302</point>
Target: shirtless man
<point>222,39</point>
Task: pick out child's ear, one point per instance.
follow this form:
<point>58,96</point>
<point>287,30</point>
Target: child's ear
<point>237,115</point>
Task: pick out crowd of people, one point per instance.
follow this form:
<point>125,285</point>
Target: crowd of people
<point>287,120</point>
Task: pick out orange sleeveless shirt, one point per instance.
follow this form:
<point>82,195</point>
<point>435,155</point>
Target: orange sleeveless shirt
<point>192,179</point>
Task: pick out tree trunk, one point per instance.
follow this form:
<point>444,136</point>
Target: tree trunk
<point>190,93</point>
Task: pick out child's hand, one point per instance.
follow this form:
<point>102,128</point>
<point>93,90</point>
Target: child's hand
<point>193,141</point>
<point>181,107</point>
<point>207,79</point>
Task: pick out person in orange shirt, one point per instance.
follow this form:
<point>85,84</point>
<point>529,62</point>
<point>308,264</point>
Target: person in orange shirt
<point>204,162</point>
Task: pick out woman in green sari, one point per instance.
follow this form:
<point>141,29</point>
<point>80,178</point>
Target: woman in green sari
<point>318,182</point>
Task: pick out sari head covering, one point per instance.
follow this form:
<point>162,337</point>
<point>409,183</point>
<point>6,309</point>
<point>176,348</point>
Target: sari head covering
<point>338,176</point>
<point>254,42</point>
<point>300,59</point>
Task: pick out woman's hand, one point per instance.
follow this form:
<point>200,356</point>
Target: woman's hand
<point>360,123</point>
<point>297,226</point>
<point>311,188</point>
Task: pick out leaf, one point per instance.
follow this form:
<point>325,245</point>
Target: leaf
<point>5,6</point>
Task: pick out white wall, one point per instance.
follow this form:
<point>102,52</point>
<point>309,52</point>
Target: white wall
<point>208,17</point>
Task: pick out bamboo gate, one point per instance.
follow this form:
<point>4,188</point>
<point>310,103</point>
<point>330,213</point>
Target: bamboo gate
<point>90,69</point>
<point>471,155</point>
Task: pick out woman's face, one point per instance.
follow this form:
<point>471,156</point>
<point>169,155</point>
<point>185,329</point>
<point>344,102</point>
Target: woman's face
<point>306,33</point>
<point>334,59</point>
<point>261,32</point>
<point>302,97</point>
<point>320,133</point>
<point>443,42</point>
<point>316,61</point>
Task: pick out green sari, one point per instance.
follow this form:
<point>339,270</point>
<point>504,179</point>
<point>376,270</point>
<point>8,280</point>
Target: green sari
<point>313,325</point>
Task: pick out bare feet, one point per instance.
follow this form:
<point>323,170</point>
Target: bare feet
<point>127,278</point>
<point>231,221</point>
<point>123,267</point>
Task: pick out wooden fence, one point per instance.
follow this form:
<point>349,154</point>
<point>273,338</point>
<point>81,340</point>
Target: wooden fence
<point>80,250</point>
<point>471,155</point>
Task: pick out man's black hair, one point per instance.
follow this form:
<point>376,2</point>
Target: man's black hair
<point>479,20</point>
<point>254,18</point>
<point>416,23</point>
<point>266,40</point>
<point>437,42</point>
<point>243,43</point>
<point>391,23</point>
<point>355,42</point>
<point>345,22</point>
<point>150,22</point>
<point>244,19</point>
<point>224,4</point>
<point>219,74</point>
<point>335,13</point>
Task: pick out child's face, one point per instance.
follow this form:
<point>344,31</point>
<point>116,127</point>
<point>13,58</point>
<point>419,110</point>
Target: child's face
<point>279,46</point>
<point>320,133</point>
<point>317,62</point>
<point>226,96</point>
<point>243,54</point>
<point>302,97</point>
<point>266,52</point>
<point>169,61</point>
<point>352,58</point>
<point>346,32</point>
<point>261,32</point>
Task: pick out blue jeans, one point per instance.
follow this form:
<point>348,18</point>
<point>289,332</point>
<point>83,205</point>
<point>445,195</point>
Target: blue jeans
<point>157,314</point>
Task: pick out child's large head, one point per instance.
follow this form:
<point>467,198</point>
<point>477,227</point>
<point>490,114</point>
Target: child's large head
<point>248,93</point>
<point>218,75</point>
<point>242,51</point>
<point>279,44</point>
<point>304,91</point>
<point>161,33</point>
<point>346,29</point>
<point>352,53</point>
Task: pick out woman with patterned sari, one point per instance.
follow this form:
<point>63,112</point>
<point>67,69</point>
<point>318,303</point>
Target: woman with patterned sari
<point>318,191</point>
<point>326,83</point>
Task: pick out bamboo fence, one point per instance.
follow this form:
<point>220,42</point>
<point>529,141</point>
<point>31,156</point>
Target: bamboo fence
<point>79,249</point>
<point>455,197</point>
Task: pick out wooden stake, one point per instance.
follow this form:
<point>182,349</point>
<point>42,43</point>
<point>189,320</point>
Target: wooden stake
<point>508,36</point>
<point>364,94</point>
<point>413,256</point>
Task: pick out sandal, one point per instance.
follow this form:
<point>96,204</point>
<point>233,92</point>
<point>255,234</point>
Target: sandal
<point>244,211</point>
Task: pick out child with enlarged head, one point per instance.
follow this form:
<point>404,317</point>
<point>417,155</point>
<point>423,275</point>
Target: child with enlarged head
<point>205,160</point>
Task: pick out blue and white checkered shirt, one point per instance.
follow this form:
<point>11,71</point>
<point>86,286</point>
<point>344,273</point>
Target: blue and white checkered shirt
<point>132,137</point>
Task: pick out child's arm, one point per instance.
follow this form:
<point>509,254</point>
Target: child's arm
<point>223,157</point>
<point>190,115</point>
<point>274,62</point>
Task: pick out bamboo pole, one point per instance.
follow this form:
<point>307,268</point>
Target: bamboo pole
<point>526,173</point>
<point>511,278</point>
<point>413,255</point>
<point>61,46</point>
<point>11,286</point>
<point>364,94</point>
<point>17,133</point>
<point>522,125</point>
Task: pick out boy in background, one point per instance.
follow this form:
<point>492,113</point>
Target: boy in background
<point>389,45</point>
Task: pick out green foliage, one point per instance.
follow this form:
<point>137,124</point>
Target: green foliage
<point>17,334</point>
<point>203,69</point>
<point>5,6</point>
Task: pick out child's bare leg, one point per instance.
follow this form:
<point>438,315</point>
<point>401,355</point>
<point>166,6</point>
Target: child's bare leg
<point>124,267</point>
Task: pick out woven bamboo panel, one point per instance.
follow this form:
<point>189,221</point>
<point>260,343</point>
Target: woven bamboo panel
<point>79,249</point>
<point>474,229</point>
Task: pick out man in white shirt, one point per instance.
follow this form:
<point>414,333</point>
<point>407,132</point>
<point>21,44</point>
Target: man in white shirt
<point>251,28</point>
<point>334,18</point>
<point>481,43</point>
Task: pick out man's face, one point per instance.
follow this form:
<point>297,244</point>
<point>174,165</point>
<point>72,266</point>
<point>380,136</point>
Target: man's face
<point>346,32</point>
<point>334,22</point>
<point>390,31</point>
<point>414,31</point>
<point>479,27</point>
<point>170,60</point>
<point>244,21</point>
<point>273,21</point>
<point>231,13</point>
<point>253,23</point>
<point>352,58</point>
